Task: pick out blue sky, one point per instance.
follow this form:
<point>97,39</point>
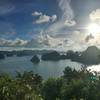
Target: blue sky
<point>16,15</point>
<point>44,21</point>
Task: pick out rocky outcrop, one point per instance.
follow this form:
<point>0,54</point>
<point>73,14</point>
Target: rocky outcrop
<point>53,56</point>
<point>35,59</point>
<point>90,56</point>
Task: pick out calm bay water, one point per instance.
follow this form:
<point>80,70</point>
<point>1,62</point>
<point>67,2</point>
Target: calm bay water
<point>44,68</point>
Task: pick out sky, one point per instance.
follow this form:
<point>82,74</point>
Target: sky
<point>71,24</point>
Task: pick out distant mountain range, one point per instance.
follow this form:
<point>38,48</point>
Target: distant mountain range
<point>91,56</point>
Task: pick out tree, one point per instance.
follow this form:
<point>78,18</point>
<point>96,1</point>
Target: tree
<point>20,88</point>
<point>51,89</point>
<point>31,79</point>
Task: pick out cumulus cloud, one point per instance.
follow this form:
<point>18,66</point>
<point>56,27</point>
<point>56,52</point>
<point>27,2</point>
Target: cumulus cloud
<point>51,41</point>
<point>80,41</point>
<point>43,18</point>
<point>36,13</point>
<point>69,23</point>
<point>95,16</point>
<point>35,42</point>
<point>74,41</point>
<point>16,42</point>
<point>45,40</point>
<point>53,18</point>
<point>4,42</point>
<point>19,42</point>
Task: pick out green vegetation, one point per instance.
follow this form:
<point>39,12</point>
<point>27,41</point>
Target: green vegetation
<point>35,59</point>
<point>73,85</point>
<point>24,87</point>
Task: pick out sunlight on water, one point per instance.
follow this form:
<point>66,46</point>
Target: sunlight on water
<point>94,68</point>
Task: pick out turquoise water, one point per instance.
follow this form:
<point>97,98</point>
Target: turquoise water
<point>44,68</point>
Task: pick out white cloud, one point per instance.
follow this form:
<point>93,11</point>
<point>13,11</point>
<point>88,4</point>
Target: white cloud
<point>36,13</point>
<point>4,42</point>
<point>80,41</point>
<point>75,41</point>
<point>43,19</point>
<point>95,16</point>
<point>45,40</point>
<point>16,42</point>
<point>35,42</point>
<point>53,18</point>
<point>67,19</point>
<point>19,42</point>
<point>51,41</point>
<point>67,11</point>
<point>69,23</point>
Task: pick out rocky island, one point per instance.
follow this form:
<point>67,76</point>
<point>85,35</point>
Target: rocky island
<point>35,59</point>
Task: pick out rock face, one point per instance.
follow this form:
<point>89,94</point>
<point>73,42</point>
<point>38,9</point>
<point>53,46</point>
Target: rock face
<point>35,59</point>
<point>2,56</point>
<point>53,56</point>
<point>91,55</point>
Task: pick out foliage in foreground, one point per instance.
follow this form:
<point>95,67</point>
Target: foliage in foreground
<point>73,85</point>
